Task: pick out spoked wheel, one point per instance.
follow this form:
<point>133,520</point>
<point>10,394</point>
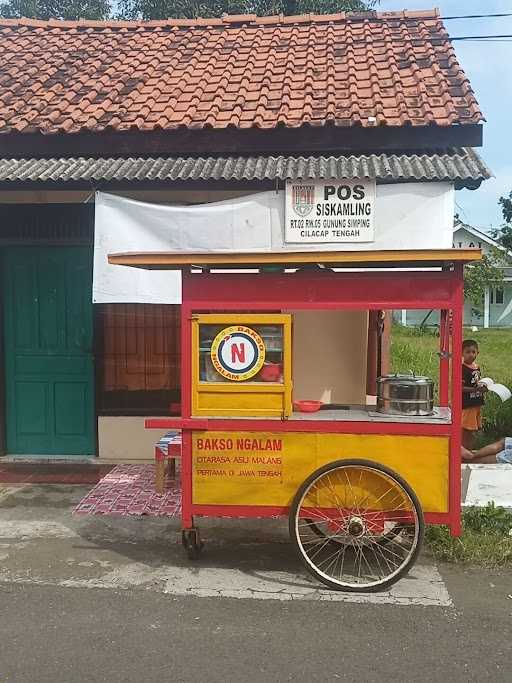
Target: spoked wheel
<point>317,529</point>
<point>357,525</point>
<point>394,532</point>
<point>390,533</point>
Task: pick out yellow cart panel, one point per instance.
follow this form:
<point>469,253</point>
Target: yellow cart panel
<point>258,468</point>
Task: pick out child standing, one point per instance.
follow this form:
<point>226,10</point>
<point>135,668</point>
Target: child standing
<point>472,393</point>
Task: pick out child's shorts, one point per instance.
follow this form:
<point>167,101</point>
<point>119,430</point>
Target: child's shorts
<point>505,456</point>
<point>472,418</point>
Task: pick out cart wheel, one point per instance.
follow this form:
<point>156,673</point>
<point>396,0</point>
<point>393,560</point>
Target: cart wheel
<point>393,533</point>
<point>192,543</point>
<point>316,529</point>
<point>387,536</point>
<point>357,525</point>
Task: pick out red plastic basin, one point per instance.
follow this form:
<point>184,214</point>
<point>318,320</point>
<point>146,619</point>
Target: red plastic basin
<point>307,406</point>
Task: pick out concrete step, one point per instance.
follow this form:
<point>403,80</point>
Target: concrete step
<point>482,484</point>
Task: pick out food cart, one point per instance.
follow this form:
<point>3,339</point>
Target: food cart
<point>356,484</point>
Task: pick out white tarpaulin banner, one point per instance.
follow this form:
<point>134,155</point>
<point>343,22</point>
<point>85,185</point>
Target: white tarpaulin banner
<point>121,225</point>
<point>407,216</point>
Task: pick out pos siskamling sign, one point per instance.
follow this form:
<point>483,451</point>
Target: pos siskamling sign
<point>330,211</point>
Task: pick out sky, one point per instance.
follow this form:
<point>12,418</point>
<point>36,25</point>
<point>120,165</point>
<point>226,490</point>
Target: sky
<point>488,66</point>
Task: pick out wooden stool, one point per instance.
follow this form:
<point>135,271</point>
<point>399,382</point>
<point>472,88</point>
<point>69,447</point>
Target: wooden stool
<point>168,448</point>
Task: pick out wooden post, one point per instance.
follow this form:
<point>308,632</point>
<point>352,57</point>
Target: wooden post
<point>379,348</point>
<point>456,404</point>
<point>487,300</point>
<point>385,342</point>
<point>371,355</point>
<point>444,358</point>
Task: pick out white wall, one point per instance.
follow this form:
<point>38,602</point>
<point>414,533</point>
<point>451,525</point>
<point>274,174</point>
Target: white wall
<point>124,439</point>
<point>462,239</point>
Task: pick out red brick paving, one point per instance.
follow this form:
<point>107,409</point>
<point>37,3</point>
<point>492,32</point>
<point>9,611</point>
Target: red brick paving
<point>54,473</point>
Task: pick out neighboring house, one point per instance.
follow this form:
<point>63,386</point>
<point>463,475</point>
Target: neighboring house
<point>497,305</point>
<point>189,111</point>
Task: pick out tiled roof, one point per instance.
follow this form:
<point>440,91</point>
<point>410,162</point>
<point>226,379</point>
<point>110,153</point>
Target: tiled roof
<point>462,166</point>
<point>395,69</point>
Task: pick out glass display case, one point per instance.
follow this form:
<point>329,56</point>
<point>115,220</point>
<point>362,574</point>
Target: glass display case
<point>242,365</point>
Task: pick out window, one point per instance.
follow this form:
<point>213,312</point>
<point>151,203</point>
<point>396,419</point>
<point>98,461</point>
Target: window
<point>240,354</point>
<point>139,360</point>
<point>496,295</point>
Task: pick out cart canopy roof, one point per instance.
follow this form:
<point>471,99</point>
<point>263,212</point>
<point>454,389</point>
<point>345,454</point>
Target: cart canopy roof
<point>418,258</point>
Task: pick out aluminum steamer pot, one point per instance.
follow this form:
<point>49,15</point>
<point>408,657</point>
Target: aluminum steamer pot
<point>405,395</point>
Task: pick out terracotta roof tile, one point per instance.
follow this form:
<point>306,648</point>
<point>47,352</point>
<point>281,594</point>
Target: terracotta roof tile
<point>242,70</point>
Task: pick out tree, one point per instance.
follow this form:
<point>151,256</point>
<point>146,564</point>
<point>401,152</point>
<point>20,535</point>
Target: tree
<point>482,274</point>
<point>162,9</point>
<point>506,207</point>
<point>56,9</point>
<point>190,9</point>
<point>489,271</point>
<point>503,235</point>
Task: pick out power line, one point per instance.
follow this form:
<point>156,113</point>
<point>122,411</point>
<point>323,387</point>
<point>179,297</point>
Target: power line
<point>495,15</point>
<point>489,37</point>
<point>477,16</point>
<point>490,40</point>
<point>459,207</point>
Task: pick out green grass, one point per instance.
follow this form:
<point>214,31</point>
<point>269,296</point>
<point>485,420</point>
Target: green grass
<point>412,349</point>
<point>486,539</point>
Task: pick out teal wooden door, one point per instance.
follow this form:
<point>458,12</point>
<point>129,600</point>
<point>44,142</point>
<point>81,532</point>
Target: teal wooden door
<point>48,350</point>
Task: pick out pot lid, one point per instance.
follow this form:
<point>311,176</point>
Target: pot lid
<point>404,379</point>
